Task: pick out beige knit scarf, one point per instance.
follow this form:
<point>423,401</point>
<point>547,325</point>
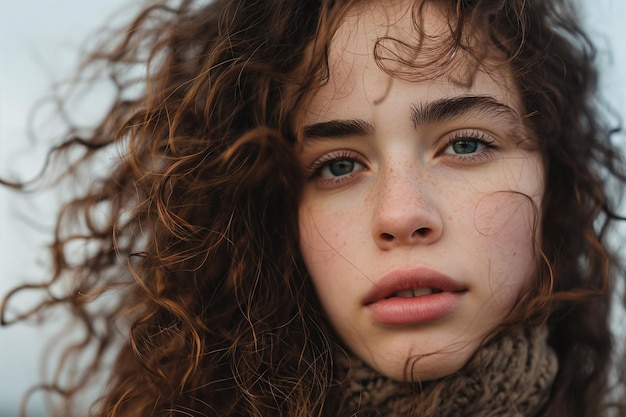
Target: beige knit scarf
<point>511,376</point>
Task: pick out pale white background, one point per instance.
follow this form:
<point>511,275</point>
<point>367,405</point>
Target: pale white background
<point>39,44</point>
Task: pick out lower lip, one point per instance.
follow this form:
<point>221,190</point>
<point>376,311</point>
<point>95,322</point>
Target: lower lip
<point>414,310</point>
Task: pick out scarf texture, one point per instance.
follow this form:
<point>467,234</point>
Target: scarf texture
<point>510,376</point>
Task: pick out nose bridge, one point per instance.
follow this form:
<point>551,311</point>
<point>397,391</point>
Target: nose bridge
<point>406,210</point>
<point>400,181</point>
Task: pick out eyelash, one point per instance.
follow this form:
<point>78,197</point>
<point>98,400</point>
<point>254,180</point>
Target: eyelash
<point>315,169</point>
<point>477,136</point>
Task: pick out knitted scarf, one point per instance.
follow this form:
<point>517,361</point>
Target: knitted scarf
<point>511,376</point>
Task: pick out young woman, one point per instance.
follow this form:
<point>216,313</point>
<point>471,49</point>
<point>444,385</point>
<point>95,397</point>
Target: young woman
<point>346,208</point>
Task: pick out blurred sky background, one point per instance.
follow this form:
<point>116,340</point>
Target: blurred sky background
<point>40,42</point>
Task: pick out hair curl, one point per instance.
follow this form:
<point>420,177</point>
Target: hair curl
<point>195,228</point>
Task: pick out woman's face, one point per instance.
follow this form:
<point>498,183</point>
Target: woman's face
<point>418,217</point>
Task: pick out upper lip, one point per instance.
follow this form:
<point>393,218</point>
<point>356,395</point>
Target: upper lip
<point>400,279</point>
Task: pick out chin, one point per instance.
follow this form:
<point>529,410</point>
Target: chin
<point>426,367</point>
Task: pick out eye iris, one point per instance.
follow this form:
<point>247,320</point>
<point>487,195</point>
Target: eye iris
<point>343,167</point>
<point>465,146</point>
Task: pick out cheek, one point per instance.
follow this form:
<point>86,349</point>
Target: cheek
<point>507,216</point>
<point>507,224</point>
<point>323,246</point>
<point>325,238</point>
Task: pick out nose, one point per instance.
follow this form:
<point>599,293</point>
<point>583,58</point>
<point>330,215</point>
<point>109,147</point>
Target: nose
<point>405,212</point>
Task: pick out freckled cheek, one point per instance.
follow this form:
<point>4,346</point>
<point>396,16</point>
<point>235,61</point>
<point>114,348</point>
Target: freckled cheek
<point>507,224</point>
<point>506,214</point>
<point>323,234</point>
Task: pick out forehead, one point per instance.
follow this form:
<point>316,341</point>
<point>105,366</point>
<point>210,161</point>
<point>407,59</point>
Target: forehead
<point>412,32</point>
<point>379,42</point>
<point>406,20</point>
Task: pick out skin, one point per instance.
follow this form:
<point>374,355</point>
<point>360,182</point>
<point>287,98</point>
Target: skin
<point>401,191</point>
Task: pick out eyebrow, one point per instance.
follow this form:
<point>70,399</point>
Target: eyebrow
<point>449,108</point>
<point>338,129</point>
<point>421,114</point>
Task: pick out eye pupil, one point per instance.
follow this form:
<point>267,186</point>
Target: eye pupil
<point>343,167</point>
<point>465,146</point>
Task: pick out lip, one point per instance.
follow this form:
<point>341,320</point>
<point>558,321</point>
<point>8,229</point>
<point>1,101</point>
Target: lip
<point>402,311</point>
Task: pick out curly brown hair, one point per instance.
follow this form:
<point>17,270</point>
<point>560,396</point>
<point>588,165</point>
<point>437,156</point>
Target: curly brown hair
<point>194,230</point>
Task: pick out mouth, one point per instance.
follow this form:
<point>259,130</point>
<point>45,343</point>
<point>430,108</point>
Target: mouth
<point>411,283</point>
<point>413,296</point>
<point>415,292</point>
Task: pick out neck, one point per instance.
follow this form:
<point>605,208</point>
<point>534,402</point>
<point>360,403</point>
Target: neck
<point>511,375</point>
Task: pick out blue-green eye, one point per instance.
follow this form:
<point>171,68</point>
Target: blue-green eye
<point>338,168</point>
<point>463,147</point>
<point>469,145</point>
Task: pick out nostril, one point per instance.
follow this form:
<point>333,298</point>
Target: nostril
<point>422,232</point>
<point>387,237</point>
